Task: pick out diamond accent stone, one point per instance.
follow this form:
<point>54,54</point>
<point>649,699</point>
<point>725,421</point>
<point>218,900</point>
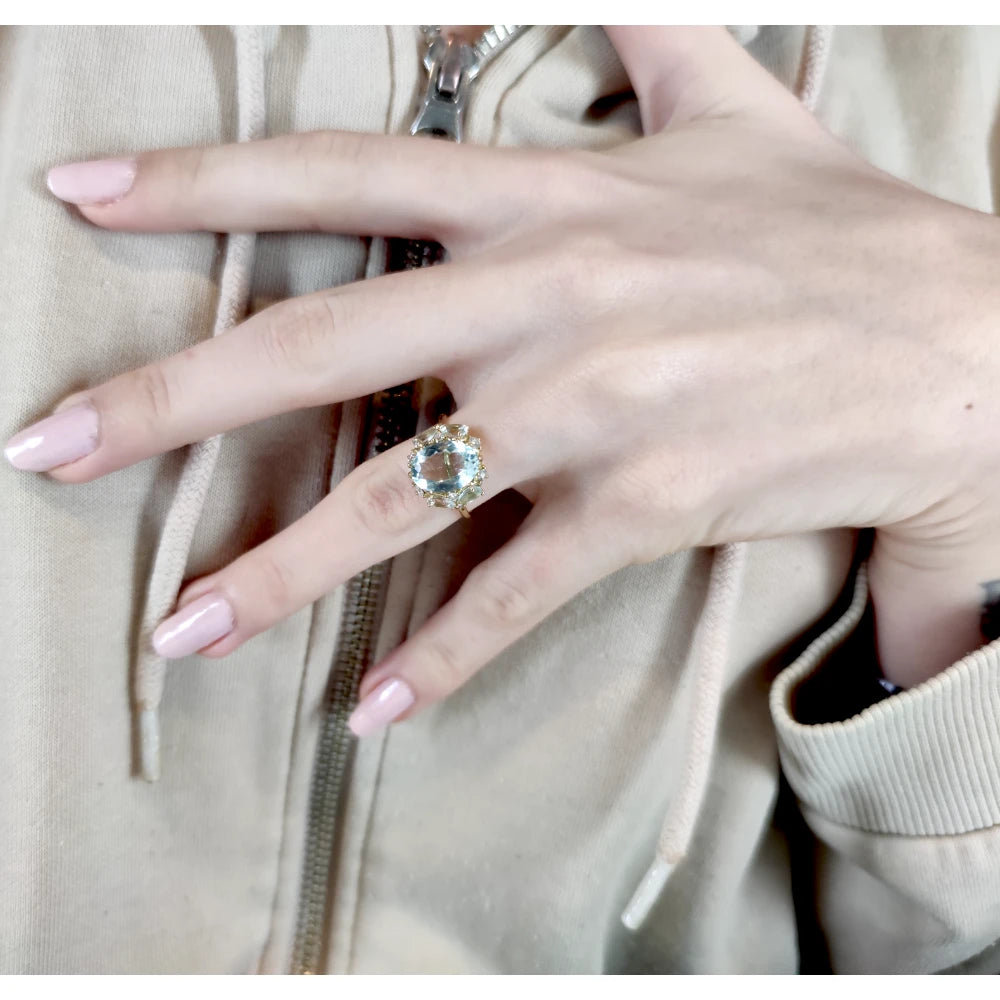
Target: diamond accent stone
<point>435,432</point>
<point>469,494</point>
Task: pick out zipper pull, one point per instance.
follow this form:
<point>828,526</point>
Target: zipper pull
<point>452,65</point>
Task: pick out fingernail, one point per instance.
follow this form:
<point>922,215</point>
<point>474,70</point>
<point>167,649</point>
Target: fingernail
<point>64,437</point>
<point>95,182</point>
<point>377,709</point>
<point>194,627</point>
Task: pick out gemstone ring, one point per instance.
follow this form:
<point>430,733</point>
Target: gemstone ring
<point>446,466</point>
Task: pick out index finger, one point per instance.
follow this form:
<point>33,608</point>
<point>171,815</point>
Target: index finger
<point>342,182</point>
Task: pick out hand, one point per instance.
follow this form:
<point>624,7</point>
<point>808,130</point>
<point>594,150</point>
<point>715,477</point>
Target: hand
<point>731,329</point>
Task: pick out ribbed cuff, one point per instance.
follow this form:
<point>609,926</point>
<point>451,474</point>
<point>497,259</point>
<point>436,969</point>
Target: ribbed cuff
<point>923,762</point>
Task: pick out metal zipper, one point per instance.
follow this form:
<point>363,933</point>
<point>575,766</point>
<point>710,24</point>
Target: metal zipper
<point>391,417</point>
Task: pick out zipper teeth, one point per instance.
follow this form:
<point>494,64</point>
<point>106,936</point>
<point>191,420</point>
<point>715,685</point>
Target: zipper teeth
<point>333,752</point>
<point>495,39</point>
<point>391,418</point>
<point>489,44</point>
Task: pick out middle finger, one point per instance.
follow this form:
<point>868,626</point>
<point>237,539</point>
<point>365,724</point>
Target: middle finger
<point>316,349</point>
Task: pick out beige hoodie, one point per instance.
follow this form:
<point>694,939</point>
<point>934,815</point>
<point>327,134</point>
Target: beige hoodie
<point>637,737</point>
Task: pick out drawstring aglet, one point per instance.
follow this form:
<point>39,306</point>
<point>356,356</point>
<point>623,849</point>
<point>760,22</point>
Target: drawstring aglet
<point>149,743</point>
<point>646,893</point>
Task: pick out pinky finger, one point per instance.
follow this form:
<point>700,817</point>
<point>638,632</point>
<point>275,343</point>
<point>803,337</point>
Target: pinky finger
<point>545,564</point>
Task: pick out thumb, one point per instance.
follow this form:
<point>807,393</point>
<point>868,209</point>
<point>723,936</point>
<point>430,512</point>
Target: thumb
<point>680,74</point>
<point>930,593</point>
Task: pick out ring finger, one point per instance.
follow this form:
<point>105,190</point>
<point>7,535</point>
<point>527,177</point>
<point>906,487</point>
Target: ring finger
<point>373,514</point>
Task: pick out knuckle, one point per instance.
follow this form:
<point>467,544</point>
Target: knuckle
<point>650,490</point>
<point>443,668</point>
<point>186,171</point>
<point>568,179</point>
<point>320,153</point>
<point>324,144</point>
<point>624,378</point>
<point>310,159</point>
<point>636,493</point>
<point>296,336</point>
<point>155,393</point>
<point>273,585</point>
<point>580,277</point>
<point>303,146</point>
<point>501,600</point>
<point>925,228</point>
<point>551,177</point>
<point>631,375</point>
<point>589,183</point>
<point>671,496</point>
<point>384,506</point>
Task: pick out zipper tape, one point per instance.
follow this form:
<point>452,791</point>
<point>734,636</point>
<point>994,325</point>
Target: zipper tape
<point>452,65</point>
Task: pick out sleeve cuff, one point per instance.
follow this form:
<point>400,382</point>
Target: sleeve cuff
<point>924,762</point>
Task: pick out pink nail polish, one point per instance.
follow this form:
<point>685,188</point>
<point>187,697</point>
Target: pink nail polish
<point>194,627</point>
<point>64,437</point>
<point>96,182</point>
<point>389,700</point>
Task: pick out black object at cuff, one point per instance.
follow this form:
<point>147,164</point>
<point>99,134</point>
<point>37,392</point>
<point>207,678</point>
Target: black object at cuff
<point>849,681</point>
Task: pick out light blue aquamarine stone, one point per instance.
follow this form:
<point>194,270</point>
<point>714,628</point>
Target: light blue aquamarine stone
<point>444,466</point>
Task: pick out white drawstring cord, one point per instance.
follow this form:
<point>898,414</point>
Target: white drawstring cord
<point>189,498</point>
<point>709,656</point>
<point>711,639</point>
<point>819,39</point>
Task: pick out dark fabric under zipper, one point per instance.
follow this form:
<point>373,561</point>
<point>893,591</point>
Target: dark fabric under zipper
<point>391,417</point>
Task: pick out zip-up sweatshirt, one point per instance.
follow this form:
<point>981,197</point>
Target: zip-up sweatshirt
<point>689,767</point>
